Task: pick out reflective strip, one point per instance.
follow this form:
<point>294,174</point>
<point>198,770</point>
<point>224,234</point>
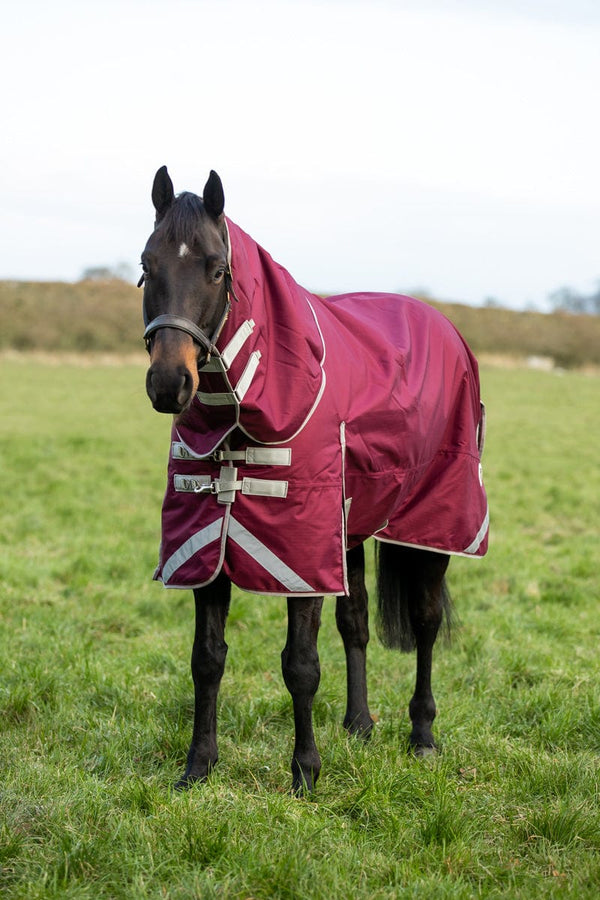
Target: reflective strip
<point>267,559</point>
<point>474,546</point>
<point>247,375</point>
<point>190,484</point>
<point>197,541</point>
<point>237,342</point>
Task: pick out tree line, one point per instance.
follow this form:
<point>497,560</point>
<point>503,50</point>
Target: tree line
<point>567,299</point>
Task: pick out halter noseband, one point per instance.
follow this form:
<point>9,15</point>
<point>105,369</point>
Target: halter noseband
<point>182,324</point>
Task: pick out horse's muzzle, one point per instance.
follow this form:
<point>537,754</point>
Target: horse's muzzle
<point>170,390</point>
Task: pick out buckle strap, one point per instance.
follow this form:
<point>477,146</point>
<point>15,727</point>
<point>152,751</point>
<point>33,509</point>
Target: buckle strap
<point>191,484</point>
<point>235,397</point>
<point>251,487</point>
<point>226,486</point>
<point>252,456</point>
<point>256,456</point>
<point>264,487</point>
<point>222,362</point>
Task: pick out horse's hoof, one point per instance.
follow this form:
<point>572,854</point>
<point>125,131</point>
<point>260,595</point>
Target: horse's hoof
<point>302,791</point>
<point>429,752</point>
<point>303,784</point>
<point>360,727</point>
<point>186,782</point>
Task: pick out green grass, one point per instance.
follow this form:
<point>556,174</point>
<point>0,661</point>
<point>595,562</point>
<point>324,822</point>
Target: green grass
<point>96,699</point>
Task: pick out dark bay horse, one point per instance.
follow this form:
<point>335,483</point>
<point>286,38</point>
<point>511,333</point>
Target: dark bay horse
<point>210,296</point>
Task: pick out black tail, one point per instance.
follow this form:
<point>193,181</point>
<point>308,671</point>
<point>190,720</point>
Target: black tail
<point>410,583</point>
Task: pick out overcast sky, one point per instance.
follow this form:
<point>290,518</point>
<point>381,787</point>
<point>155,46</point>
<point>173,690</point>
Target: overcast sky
<point>447,146</point>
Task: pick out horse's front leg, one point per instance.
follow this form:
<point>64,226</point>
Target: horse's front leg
<point>302,673</point>
<point>352,617</point>
<point>208,663</point>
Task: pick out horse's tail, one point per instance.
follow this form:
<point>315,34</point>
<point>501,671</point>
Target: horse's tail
<point>409,581</point>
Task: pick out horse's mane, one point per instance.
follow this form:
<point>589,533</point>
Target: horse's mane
<point>183,218</point>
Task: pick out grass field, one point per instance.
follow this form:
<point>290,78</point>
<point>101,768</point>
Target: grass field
<point>96,698</point>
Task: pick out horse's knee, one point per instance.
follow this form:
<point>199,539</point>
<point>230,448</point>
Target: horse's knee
<point>352,620</point>
<point>208,661</point>
<point>301,670</point>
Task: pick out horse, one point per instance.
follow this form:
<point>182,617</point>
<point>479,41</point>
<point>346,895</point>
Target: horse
<point>368,404</point>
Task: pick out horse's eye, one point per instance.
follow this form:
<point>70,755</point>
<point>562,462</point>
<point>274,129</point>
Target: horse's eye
<point>218,276</point>
<point>145,273</point>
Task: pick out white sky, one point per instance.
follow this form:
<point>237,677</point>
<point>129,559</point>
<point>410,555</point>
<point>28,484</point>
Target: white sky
<point>451,145</point>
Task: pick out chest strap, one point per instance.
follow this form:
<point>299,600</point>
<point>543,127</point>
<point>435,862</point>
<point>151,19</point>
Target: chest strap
<point>252,456</point>
<point>226,486</point>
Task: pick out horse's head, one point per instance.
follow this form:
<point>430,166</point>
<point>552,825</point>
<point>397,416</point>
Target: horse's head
<point>185,278</point>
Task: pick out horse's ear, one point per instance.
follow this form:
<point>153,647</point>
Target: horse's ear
<point>214,197</point>
<point>162,192</point>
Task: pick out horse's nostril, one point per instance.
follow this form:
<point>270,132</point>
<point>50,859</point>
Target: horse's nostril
<point>150,389</point>
<point>187,386</point>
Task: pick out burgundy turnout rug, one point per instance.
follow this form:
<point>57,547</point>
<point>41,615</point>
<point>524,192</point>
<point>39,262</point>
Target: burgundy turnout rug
<point>321,422</point>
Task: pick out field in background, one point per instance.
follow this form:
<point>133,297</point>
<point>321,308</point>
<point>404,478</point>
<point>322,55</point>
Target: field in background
<point>105,316</point>
<point>96,697</point>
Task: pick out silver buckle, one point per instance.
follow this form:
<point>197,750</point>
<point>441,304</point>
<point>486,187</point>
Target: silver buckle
<point>206,488</point>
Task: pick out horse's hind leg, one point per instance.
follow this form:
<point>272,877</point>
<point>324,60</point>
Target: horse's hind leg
<point>208,663</point>
<point>426,613</point>
<point>352,617</point>
<point>413,600</point>
<point>302,673</point>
